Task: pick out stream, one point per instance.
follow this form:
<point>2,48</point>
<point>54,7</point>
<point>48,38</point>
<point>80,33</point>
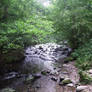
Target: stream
<point>44,63</point>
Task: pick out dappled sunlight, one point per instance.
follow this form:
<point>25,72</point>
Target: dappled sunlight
<point>45,3</point>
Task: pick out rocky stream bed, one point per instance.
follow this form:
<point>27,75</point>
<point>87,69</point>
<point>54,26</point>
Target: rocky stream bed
<point>44,70</point>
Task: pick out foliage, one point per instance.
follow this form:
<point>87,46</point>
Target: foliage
<point>84,78</point>
<point>84,56</point>
<point>72,21</point>
<point>17,8</point>
<point>23,33</point>
<point>22,23</point>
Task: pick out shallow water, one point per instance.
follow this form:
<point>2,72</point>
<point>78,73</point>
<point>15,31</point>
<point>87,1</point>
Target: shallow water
<point>38,58</point>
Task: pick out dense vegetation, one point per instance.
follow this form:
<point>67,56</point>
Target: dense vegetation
<point>27,22</point>
<point>72,21</point>
<point>23,23</point>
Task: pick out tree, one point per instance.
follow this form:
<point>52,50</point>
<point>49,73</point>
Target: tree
<point>73,20</point>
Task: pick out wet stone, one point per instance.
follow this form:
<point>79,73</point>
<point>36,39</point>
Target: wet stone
<point>61,78</point>
<point>38,86</point>
<point>90,71</point>
<point>66,81</point>
<point>36,76</point>
<point>8,90</point>
<point>71,85</point>
<point>54,78</point>
<point>11,75</point>
<point>29,79</point>
<point>81,88</point>
<point>44,72</point>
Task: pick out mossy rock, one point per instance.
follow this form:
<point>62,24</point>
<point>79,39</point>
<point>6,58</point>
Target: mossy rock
<point>8,90</point>
<point>66,81</point>
<point>44,72</point>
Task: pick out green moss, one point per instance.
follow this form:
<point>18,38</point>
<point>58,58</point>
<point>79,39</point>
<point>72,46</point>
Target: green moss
<point>68,59</point>
<point>66,81</point>
<point>44,72</point>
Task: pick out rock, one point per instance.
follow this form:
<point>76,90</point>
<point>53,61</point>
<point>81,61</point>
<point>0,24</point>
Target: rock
<point>39,54</point>
<point>58,69</point>
<point>48,71</point>
<point>58,49</point>
<point>81,88</point>
<point>90,71</point>
<point>36,76</point>
<point>44,72</point>
<point>65,48</point>
<point>54,72</point>
<point>38,86</point>
<point>61,78</point>
<point>54,78</point>
<point>8,90</point>
<point>54,68</point>
<point>45,58</point>
<point>10,75</point>
<point>40,47</point>
<point>66,81</point>
<point>71,85</point>
<point>29,79</point>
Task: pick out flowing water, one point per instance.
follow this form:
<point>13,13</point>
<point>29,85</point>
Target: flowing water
<point>38,58</point>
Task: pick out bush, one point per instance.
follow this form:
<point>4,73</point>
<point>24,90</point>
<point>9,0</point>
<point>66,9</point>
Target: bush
<point>84,56</point>
<point>84,78</point>
<point>72,21</point>
<point>16,35</point>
